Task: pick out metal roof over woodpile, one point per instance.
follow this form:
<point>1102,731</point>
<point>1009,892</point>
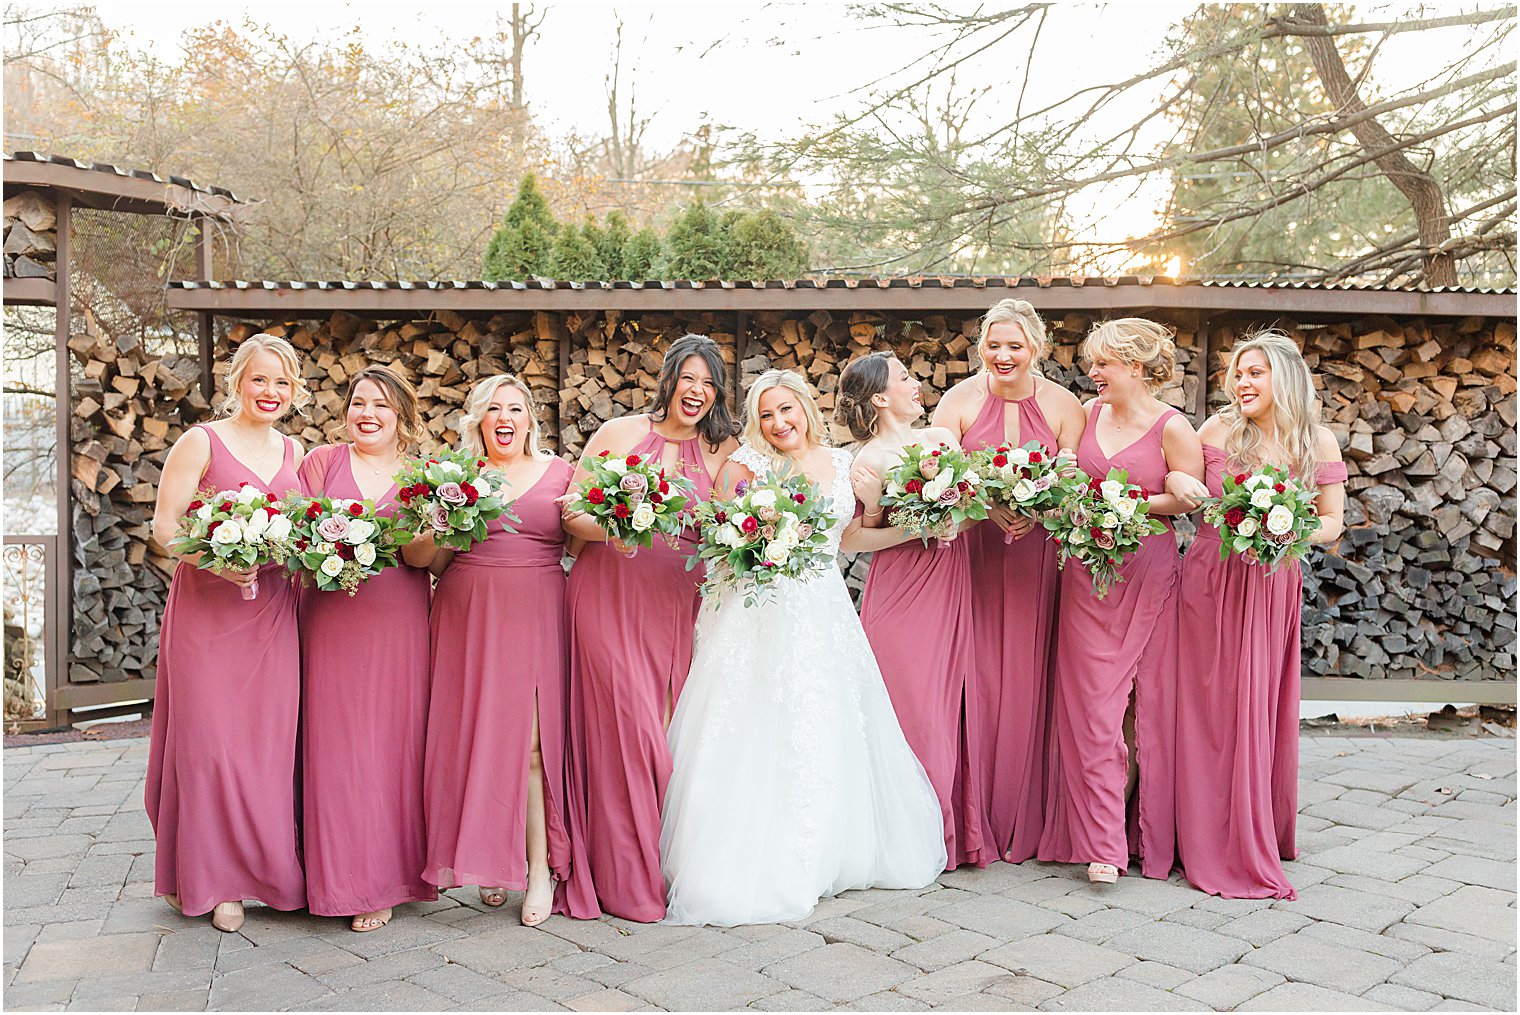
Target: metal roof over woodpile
<point>112,188</point>
<point>920,293</point>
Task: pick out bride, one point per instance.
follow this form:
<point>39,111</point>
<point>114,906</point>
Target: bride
<point>791,779</point>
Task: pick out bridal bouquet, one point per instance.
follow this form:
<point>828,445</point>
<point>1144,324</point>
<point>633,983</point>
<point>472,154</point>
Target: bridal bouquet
<point>1025,480</point>
<point>233,530</point>
<point>633,500</point>
<point>774,528</point>
<point>1100,523</point>
<point>454,495</point>
<point>1265,515</point>
<point>931,491</point>
<point>340,543</point>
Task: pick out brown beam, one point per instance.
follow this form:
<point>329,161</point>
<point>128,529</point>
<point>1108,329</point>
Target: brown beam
<point>258,301</point>
<point>1481,692</point>
<point>1201,338</point>
<point>741,349</point>
<point>30,292</point>
<point>106,693</point>
<point>63,408</point>
<point>94,188</point>
<point>205,323</point>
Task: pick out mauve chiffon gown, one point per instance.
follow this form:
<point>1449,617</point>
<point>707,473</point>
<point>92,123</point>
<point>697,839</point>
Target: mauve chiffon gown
<point>1107,649</point>
<point>1015,586</point>
<point>631,626</point>
<point>499,651</point>
<point>1237,712</point>
<point>222,762</point>
<point>364,677</point>
<point>916,612</point>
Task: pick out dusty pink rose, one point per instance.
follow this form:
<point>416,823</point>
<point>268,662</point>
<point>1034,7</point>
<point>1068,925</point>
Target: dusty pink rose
<point>333,528</point>
<point>804,530</point>
<point>929,468</point>
<point>451,493</point>
<point>634,482</point>
<point>440,518</point>
<point>950,496</point>
<point>1104,539</point>
<point>768,514</point>
<point>768,533</point>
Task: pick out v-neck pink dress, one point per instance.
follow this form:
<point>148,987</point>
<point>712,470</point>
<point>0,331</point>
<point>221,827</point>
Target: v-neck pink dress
<point>1237,712</point>
<point>499,653</point>
<point>1106,650</point>
<point>1015,586</point>
<point>631,626</point>
<point>364,676</point>
<point>222,762</point>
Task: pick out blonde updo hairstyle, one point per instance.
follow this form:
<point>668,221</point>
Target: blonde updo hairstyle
<point>1022,313</point>
<point>1136,341</point>
<point>232,402</point>
<point>817,432</point>
<point>400,396</point>
<point>1295,407</point>
<point>475,412</point>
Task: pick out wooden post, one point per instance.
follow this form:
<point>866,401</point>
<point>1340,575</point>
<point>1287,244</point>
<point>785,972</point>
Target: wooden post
<point>1201,365</point>
<point>205,321</point>
<point>564,372</point>
<point>63,406</point>
<point>741,349</point>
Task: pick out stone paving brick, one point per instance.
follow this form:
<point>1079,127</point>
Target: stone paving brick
<point>1192,949</point>
<point>981,1002</point>
<point>499,951</point>
<point>1403,998</point>
<point>893,911</point>
<point>921,928</point>
<point>19,996</point>
<point>1473,870</point>
<point>1146,895</point>
<point>1466,914</point>
<point>1263,925</point>
<point>790,1000</point>
<point>1349,908</point>
<point>581,963</point>
<point>1308,997</point>
<point>1312,960</point>
<point>1044,888</point>
<point>1229,986</point>
<point>1000,917</point>
<point>950,982</point>
<point>457,982</point>
<point>1451,1004</point>
<point>1054,958</point>
<point>840,972</point>
<point>758,954</point>
<point>1025,990</point>
<point>1357,815</point>
<point>1157,974</point>
<point>1449,941</point>
<point>1365,859</point>
<point>393,996</point>
<point>1361,940</point>
<point>97,956</point>
<point>606,999</point>
<point>857,932</point>
<point>1389,783</point>
<point>1417,888</point>
<point>1477,981</point>
<point>945,950</point>
<point>1075,906</point>
<point>1200,918</point>
<point>546,981</point>
<point>1104,924</point>
<point>1115,994</point>
<point>265,988</point>
<point>400,966</point>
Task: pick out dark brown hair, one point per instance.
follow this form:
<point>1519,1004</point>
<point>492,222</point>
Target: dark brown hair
<point>862,379</point>
<point>402,398</point>
<point>718,425</point>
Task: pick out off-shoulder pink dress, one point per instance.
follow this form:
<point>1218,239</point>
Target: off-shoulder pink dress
<point>631,626</point>
<point>500,652</point>
<point>1237,712</point>
<point>1015,586</point>
<point>917,613</point>
<point>1107,650</point>
<point>222,762</point>
<point>364,676</point>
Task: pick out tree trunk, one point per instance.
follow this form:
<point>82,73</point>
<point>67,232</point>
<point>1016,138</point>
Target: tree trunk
<point>1422,190</point>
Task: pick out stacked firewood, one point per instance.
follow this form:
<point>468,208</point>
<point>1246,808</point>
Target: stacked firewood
<point>31,236</point>
<point>1425,409</point>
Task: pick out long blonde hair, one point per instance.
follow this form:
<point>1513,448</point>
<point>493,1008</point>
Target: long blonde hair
<point>817,431</point>
<point>232,401</point>
<point>480,400</point>
<point>1022,313</point>
<point>1295,407</point>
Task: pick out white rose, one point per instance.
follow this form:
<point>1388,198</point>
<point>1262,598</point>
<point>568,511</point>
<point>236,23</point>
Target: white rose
<point>763,498</point>
<point>786,537</point>
<point>249,494</point>
<point>321,547</point>
<point>448,470</point>
<point>359,531</point>
<point>728,535</point>
<point>1126,508</point>
<point>205,511</point>
<point>1257,480</point>
<point>1077,536</point>
<point>971,477</point>
<point>1112,489</point>
<point>482,488</point>
<point>1109,520</point>
<point>777,552</point>
<point>1024,491</point>
<point>616,466</point>
<point>936,486</point>
<point>1018,457</point>
<point>895,488</point>
<point>1246,528</point>
<point>227,533</point>
<point>365,554</point>
<point>1262,498</point>
<point>330,566</point>
<point>279,528</point>
<point>643,516</point>
<point>1280,520</point>
<point>253,528</point>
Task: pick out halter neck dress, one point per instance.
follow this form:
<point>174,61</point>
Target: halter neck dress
<point>631,625</point>
<point>222,761</point>
<point>1106,650</point>
<point>1015,586</point>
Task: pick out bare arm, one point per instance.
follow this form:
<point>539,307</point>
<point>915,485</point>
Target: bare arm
<point>858,538</point>
<point>181,478</point>
<point>1331,501</point>
<point>578,524</point>
<point>1184,453</point>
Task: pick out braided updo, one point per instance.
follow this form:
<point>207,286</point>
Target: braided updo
<point>862,379</point>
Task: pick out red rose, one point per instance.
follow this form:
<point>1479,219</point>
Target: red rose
<point>1134,495</point>
<point>1234,517</point>
<point>604,454</point>
<point>301,544</point>
<point>313,510</point>
<point>212,527</point>
<point>1095,486</point>
<point>1035,458</point>
<point>471,495</point>
<point>195,505</point>
<point>963,486</point>
<point>345,551</point>
<point>1240,478</point>
<point>655,498</point>
<point>404,495</point>
<point>800,498</point>
<point>634,460</point>
<point>357,510</point>
<point>622,511</point>
<point>270,512</point>
<point>480,463</point>
<point>1094,532</point>
<point>720,516</point>
<point>664,487</point>
<point>271,498</point>
<point>1000,460</point>
<point>1025,473</point>
<point>420,490</point>
<point>595,495</point>
<point>936,453</point>
<point>914,485</point>
<point>1145,494</point>
<point>242,484</point>
<point>226,506</point>
<point>750,526</point>
<point>1278,488</point>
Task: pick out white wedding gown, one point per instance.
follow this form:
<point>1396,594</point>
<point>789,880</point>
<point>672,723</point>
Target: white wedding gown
<point>791,778</point>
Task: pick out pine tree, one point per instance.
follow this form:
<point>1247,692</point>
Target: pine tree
<point>573,257</point>
<point>694,245</point>
<point>610,243</point>
<point>521,245</point>
<point>764,245</point>
<point>641,255</point>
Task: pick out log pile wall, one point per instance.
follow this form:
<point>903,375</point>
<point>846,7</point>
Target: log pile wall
<point>1423,585</point>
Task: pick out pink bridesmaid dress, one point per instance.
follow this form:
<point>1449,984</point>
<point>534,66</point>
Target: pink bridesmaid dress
<point>631,626</point>
<point>1107,650</point>
<point>916,611</point>
<point>1237,713</point>
<point>364,675</point>
<point>1014,588</point>
<point>499,652</point>
<point>221,766</point>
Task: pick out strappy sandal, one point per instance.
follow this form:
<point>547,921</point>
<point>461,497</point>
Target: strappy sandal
<point>1102,873</point>
<point>493,897</point>
<point>366,922</point>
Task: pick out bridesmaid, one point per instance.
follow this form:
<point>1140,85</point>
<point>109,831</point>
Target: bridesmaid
<point>1013,575</point>
<point>916,609</point>
<point>494,789</point>
<point>1238,652</point>
<point>364,670</point>
<point>221,768</point>
<point>1112,708</point>
<point>631,623</point>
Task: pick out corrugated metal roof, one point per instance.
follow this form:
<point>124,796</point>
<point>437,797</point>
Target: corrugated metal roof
<point>133,174</point>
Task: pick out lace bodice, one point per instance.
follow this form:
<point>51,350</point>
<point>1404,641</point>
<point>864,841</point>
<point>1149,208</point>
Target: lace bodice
<point>841,498</point>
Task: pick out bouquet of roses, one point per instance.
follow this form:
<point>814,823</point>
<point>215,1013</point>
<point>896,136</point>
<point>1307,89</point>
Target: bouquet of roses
<point>772,528</point>
<point>1100,523</point>
<point>233,530</point>
<point>1025,480</point>
<point>633,500</point>
<point>454,495</point>
<point>930,492</point>
<point>340,543</point>
<point>1265,516</point>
